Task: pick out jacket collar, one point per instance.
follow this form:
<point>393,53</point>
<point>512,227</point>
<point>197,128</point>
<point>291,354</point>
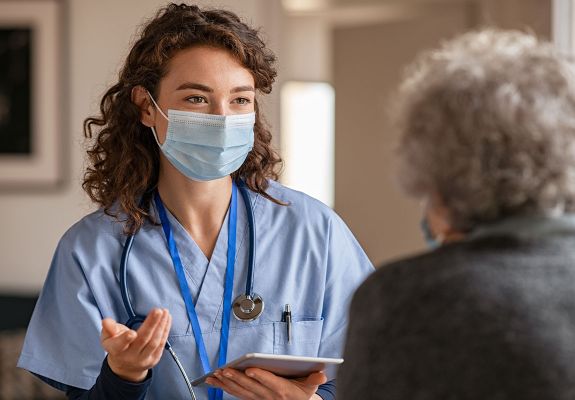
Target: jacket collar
<point>527,226</point>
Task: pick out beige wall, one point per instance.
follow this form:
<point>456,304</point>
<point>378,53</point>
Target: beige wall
<point>533,15</point>
<point>368,64</point>
<point>369,46</point>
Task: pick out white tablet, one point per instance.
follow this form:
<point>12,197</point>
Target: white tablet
<point>282,365</point>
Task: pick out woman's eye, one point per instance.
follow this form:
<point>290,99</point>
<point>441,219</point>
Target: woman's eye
<point>196,99</point>
<point>242,100</point>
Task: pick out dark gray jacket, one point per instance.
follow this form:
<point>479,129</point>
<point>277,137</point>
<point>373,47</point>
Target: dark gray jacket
<point>491,318</point>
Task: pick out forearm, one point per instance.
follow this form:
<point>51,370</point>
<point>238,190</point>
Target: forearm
<point>326,391</point>
<point>109,386</point>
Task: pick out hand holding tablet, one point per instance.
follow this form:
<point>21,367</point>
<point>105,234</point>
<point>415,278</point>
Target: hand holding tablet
<point>282,365</point>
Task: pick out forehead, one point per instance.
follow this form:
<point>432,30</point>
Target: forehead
<point>210,66</point>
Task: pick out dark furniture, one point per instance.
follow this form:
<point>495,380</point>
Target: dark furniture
<point>15,383</point>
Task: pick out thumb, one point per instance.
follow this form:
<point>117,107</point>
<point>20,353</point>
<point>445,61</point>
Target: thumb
<point>315,379</point>
<point>116,337</point>
<point>111,328</point>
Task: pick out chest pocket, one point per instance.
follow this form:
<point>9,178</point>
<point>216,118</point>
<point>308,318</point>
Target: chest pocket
<point>305,337</point>
<point>250,338</point>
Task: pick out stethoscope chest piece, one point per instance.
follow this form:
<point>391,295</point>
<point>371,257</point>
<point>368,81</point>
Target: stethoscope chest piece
<point>248,308</point>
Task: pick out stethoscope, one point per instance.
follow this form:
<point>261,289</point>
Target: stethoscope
<point>246,307</point>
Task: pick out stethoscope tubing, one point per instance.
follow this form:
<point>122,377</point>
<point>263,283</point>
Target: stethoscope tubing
<point>252,234</point>
<point>123,276</point>
<point>251,256</point>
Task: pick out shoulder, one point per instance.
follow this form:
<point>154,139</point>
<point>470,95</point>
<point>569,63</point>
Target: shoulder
<point>448,269</point>
<point>310,221</point>
<point>294,197</point>
<point>472,272</point>
<point>300,206</point>
<point>444,264</point>
<point>91,230</point>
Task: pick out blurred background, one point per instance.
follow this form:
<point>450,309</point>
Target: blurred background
<point>339,64</point>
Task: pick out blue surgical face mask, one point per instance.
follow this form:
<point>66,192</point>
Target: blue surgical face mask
<point>428,235</point>
<point>205,147</point>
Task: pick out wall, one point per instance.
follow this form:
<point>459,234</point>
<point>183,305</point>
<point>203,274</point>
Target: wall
<point>367,196</point>
<point>99,36</point>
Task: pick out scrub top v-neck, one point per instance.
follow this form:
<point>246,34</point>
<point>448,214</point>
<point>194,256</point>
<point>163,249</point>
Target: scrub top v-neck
<point>213,393</point>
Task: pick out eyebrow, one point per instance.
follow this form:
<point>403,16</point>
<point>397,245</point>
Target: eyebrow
<point>246,88</point>
<point>204,88</point>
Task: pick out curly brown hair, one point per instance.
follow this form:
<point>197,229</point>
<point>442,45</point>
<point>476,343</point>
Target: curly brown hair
<point>124,158</point>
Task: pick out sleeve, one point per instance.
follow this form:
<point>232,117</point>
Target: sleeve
<point>347,267</point>
<point>110,387</point>
<point>327,390</point>
<point>62,342</point>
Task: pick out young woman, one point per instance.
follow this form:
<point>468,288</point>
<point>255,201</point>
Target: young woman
<point>195,247</point>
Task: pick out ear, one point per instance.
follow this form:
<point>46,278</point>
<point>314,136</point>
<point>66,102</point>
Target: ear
<point>141,98</point>
<point>439,219</point>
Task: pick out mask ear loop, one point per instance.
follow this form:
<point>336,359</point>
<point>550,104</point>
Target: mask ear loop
<point>163,115</point>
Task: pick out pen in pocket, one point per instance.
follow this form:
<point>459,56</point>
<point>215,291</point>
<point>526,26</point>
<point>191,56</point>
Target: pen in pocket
<point>286,317</point>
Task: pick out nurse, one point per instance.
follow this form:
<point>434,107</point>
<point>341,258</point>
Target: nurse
<point>178,144</point>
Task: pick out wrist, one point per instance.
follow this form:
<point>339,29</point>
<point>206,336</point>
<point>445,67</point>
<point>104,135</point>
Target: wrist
<point>133,377</point>
<point>127,375</point>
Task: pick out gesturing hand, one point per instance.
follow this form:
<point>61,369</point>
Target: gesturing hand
<point>132,353</point>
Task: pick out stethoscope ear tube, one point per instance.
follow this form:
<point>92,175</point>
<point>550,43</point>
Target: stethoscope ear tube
<point>252,233</point>
<point>124,280</point>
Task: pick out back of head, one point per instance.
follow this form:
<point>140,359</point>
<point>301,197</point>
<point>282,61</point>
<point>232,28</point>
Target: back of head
<point>487,123</point>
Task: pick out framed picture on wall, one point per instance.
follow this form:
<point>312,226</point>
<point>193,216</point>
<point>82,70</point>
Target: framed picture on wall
<point>31,98</point>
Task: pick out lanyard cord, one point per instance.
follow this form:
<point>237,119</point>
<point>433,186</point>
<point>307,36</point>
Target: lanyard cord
<point>133,319</point>
<point>186,293</point>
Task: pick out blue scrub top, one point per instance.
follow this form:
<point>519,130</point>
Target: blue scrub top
<point>305,257</point>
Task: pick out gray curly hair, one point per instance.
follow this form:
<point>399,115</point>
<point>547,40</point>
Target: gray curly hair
<point>487,124</point>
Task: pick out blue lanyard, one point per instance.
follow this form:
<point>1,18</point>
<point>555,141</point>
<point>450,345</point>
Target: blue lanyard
<point>214,394</point>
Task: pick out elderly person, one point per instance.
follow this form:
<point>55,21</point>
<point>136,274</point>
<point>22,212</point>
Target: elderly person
<point>487,125</point>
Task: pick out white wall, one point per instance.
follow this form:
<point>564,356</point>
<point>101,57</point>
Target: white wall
<point>99,36</point>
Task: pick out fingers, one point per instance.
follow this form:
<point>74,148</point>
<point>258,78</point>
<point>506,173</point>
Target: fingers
<point>267,379</point>
<point>241,386</point>
<point>282,387</point>
<point>115,337</point>
<point>119,343</point>
<point>157,353</point>
<point>259,384</point>
<point>150,328</point>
